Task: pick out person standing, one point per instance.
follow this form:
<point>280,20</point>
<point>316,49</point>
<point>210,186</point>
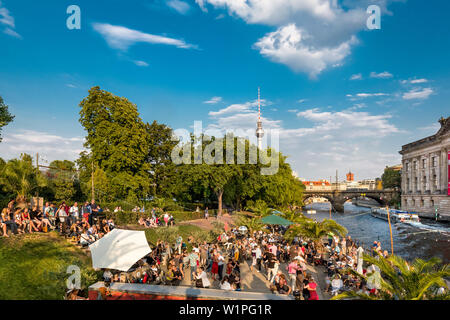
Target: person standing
<point>292,268</point>
<point>220,264</point>
<point>74,213</point>
<point>206,213</point>
<point>193,257</point>
<point>94,212</point>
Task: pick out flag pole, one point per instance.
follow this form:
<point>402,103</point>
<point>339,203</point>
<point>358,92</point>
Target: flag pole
<point>390,229</point>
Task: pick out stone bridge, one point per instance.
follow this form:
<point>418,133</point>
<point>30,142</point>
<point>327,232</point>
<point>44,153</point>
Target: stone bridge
<point>337,198</point>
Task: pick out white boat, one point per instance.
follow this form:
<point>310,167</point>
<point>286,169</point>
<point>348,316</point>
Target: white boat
<point>311,211</point>
<point>395,215</point>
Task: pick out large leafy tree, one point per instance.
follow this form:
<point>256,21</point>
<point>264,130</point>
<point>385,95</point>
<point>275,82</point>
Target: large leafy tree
<point>160,145</point>
<point>391,179</point>
<point>401,280</point>
<point>117,139</point>
<point>63,180</point>
<point>5,116</point>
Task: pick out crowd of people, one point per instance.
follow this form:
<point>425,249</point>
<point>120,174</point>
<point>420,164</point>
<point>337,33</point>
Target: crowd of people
<point>155,220</point>
<point>211,265</point>
<point>283,264</point>
<point>82,224</point>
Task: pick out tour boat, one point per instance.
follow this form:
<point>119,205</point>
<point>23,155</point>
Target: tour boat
<point>311,212</point>
<point>395,215</point>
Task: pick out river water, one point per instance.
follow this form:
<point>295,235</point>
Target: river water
<point>424,240</point>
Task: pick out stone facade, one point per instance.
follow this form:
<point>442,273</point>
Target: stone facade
<point>425,174</point>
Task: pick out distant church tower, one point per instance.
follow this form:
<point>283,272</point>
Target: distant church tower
<point>259,129</point>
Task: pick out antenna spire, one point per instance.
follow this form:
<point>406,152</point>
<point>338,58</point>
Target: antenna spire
<point>259,129</point>
<point>259,105</point>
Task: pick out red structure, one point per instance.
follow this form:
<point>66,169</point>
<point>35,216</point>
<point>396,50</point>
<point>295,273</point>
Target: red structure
<point>350,176</point>
<point>137,291</point>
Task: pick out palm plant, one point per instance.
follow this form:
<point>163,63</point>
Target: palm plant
<point>21,178</point>
<point>252,223</point>
<point>403,281</point>
<point>314,230</point>
<point>260,209</point>
<point>295,217</point>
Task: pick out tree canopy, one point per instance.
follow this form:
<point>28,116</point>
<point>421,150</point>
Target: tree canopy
<point>5,116</point>
<point>391,178</point>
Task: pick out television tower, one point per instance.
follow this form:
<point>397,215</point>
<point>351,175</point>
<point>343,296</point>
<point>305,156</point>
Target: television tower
<point>259,129</point>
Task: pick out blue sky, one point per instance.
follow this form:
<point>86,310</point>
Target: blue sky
<point>342,96</point>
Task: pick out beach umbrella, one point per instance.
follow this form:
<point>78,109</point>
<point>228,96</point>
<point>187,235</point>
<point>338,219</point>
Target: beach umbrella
<point>275,220</point>
<point>119,249</point>
<point>243,229</point>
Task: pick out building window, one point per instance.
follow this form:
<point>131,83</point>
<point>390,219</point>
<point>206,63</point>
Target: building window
<point>424,182</point>
<point>435,181</point>
<point>415,183</point>
<point>422,203</point>
<point>415,165</point>
<point>432,203</point>
<point>408,184</point>
<point>407,166</point>
<point>424,163</point>
<point>434,161</point>
<point>413,202</point>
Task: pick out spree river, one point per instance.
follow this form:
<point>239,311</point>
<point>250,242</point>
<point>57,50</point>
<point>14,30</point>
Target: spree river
<point>424,239</point>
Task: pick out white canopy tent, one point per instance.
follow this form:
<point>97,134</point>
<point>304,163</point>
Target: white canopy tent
<point>119,249</point>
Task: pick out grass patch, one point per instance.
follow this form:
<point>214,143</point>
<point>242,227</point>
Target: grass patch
<point>33,266</point>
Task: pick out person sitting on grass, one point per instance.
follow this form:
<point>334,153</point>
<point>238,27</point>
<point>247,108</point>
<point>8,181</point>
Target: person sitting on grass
<point>34,217</point>
<point>44,223</point>
<point>18,221</point>
<point>26,218</point>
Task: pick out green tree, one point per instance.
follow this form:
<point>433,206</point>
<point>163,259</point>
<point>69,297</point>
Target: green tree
<point>314,230</point>
<point>391,179</point>
<point>160,146</point>
<point>19,177</point>
<point>401,280</point>
<point>117,139</point>
<point>5,116</point>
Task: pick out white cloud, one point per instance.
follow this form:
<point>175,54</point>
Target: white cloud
<point>49,146</point>
<point>417,93</point>
<point>345,138</point>
<point>122,38</point>
<point>7,20</point>
<point>213,100</point>
<point>381,75</point>
<point>141,63</point>
<point>180,6</point>
<point>246,107</point>
<point>201,4</point>
<point>293,110</point>
<point>301,100</point>
<point>359,124</point>
<point>357,76</point>
<point>415,81</point>
<point>287,46</point>
<point>327,29</point>
<point>367,95</point>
